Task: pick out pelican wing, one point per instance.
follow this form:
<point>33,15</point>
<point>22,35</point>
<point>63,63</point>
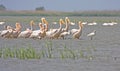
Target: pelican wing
<point>24,34</point>
<point>74,31</point>
<point>4,32</point>
<point>35,34</point>
<point>91,34</point>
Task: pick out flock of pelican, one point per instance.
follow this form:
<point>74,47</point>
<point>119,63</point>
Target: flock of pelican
<point>44,30</point>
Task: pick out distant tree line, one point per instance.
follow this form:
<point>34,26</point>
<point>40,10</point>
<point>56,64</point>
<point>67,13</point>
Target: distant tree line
<point>2,7</point>
<point>40,8</point>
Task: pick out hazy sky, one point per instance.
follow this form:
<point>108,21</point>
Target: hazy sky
<point>62,5</point>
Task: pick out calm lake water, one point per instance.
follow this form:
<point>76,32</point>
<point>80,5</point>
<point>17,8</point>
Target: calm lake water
<point>104,48</point>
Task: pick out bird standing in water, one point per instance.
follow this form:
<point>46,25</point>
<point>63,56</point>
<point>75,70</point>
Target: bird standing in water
<point>78,33</point>
<point>92,34</point>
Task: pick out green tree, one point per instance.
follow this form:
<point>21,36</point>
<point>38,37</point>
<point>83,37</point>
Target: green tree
<point>2,7</point>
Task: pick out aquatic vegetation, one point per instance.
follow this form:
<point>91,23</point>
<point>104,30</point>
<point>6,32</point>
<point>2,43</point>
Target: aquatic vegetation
<point>48,51</point>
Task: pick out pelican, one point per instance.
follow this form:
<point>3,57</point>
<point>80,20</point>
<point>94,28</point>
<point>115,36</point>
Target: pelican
<point>16,31</point>
<point>67,22</point>
<point>36,33</point>
<point>84,23</point>
<point>50,32</point>
<point>1,23</point>
<point>54,22</point>
<point>27,32</point>
<point>72,23</point>
<point>43,32</point>
<point>114,23</point>
<point>94,23</point>
<point>63,34</point>
<point>109,24</point>
<point>58,32</point>
<point>44,21</point>
<point>7,32</point>
<point>77,34</point>
<point>72,31</point>
<point>65,30</point>
<point>105,24</point>
<point>92,34</point>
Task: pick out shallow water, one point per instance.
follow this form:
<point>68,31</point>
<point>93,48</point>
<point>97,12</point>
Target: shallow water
<point>105,48</point>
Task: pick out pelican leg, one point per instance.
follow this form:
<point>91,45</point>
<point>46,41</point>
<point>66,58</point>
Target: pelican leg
<point>91,38</point>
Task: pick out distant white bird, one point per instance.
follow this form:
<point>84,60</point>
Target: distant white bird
<point>54,22</point>
<point>92,34</point>
<point>109,24</point>
<point>72,23</point>
<point>105,24</point>
<point>1,23</point>
<point>114,23</point>
<point>94,23</point>
<point>84,23</point>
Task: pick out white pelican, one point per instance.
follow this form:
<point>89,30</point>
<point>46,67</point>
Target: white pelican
<point>54,22</point>
<point>7,32</point>
<point>1,23</point>
<point>43,32</point>
<point>58,32</point>
<point>72,23</point>
<point>67,22</point>
<point>105,24</point>
<point>94,23</point>
<point>44,21</point>
<point>109,24</point>
<point>77,34</point>
<point>16,31</point>
<point>49,32</point>
<point>63,34</point>
<point>27,32</point>
<point>73,31</point>
<point>84,23</point>
<point>114,23</point>
<point>92,34</point>
<point>36,33</point>
<point>65,30</point>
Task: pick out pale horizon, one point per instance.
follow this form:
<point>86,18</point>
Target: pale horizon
<point>62,5</point>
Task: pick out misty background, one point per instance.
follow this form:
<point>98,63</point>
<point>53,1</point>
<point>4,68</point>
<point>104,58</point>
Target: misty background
<point>62,5</point>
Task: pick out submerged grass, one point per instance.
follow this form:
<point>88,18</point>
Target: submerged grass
<point>49,51</point>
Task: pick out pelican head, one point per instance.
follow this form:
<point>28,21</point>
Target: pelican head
<point>80,24</point>
<point>18,26</point>
<point>32,22</point>
<point>44,21</point>
<point>67,20</point>
<point>42,18</point>
<point>94,31</point>
<point>61,21</point>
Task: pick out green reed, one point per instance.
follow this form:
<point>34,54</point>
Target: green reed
<point>48,51</point>
<point>0,52</point>
<point>49,47</point>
